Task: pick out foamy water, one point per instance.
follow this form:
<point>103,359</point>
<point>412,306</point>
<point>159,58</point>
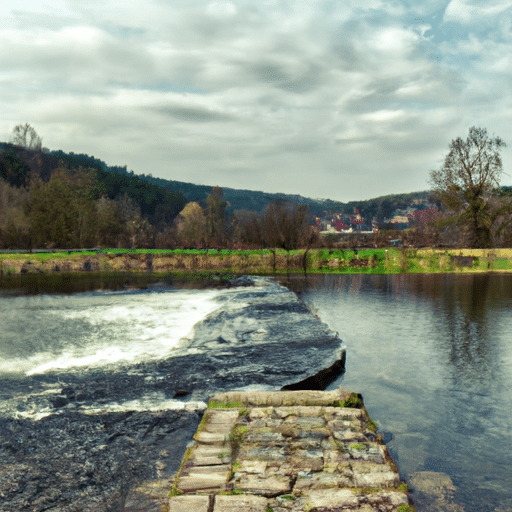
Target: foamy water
<point>41,333</point>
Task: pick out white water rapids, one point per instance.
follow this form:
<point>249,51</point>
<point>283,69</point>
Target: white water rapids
<point>40,333</point>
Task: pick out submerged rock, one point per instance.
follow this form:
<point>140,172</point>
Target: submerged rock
<point>434,492</point>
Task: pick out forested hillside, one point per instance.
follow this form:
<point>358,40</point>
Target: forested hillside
<point>241,199</point>
<point>57,199</point>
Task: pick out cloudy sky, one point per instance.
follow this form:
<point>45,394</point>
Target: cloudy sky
<point>335,99</point>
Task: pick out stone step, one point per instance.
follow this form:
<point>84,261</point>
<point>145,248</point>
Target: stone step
<point>288,452</point>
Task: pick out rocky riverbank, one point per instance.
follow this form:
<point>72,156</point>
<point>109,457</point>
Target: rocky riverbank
<point>80,441</point>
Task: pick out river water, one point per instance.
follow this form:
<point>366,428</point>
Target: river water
<point>44,332</point>
<point>432,357</point>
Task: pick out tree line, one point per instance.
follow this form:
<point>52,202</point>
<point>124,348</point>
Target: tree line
<point>49,200</point>
<point>53,200</point>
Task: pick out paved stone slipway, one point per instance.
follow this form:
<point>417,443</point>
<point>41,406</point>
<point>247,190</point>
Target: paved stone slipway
<point>287,451</point>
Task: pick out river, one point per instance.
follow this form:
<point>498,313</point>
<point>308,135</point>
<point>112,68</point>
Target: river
<point>432,356</point>
<point>94,395</point>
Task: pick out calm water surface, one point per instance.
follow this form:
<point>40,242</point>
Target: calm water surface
<point>432,356</point>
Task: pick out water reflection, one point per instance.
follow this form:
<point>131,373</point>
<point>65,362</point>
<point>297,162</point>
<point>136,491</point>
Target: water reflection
<point>431,355</point>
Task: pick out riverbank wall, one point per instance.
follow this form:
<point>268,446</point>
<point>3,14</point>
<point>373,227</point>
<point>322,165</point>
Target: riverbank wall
<point>288,451</point>
<point>203,262</point>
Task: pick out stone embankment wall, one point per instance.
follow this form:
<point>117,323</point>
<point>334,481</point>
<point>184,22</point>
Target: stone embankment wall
<point>288,451</point>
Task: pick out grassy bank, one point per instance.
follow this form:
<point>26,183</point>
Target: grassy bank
<point>203,263</point>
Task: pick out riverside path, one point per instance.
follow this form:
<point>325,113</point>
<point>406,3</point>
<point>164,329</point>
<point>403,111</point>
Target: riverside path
<point>288,451</point>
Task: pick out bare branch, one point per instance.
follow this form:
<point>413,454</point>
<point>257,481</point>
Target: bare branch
<point>25,136</point>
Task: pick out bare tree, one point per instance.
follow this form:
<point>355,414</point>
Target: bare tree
<point>466,182</point>
<point>248,228</point>
<point>25,136</point>
<point>215,217</point>
<point>286,226</point>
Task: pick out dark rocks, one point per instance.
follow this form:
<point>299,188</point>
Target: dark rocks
<point>261,335</point>
<point>73,461</point>
<point>59,401</point>
<point>241,281</point>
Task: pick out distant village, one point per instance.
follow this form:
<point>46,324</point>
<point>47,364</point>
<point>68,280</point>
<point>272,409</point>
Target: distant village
<point>421,211</point>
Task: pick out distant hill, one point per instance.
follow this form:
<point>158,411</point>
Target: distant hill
<point>148,191</point>
<point>242,199</point>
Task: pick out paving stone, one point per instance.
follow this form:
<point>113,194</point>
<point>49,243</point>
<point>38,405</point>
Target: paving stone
<point>346,413</point>
<point>189,504</point>
<point>210,455</point>
<point>265,437</point>
<point>340,425</point>
<point>261,453</point>
<point>317,433</point>
<point>306,412</point>
<point>290,430</point>
<point>309,422</point>
<point>333,459</point>
<point>253,467</point>
<point>259,412</point>
<point>307,443</point>
<point>274,423</point>
<point>218,428</point>
<point>269,486</point>
<point>285,412</point>
<point>200,478</point>
<point>394,498</point>
<point>365,508</point>
<point>239,504</point>
<point>222,415</point>
<point>330,444</point>
<point>368,474</point>
<point>198,460</point>
<point>220,421</point>
<point>211,437</point>
<point>318,500</point>
<point>283,398</point>
<point>349,436</point>
<point>322,481</point>
<point>302,462</point>
<point>219,468</point>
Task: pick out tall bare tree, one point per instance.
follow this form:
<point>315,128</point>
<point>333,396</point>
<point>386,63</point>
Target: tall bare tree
<point>215,217</point>
<point>25,136</point>
<point>466,182</point>
<point>248,228</point>
<point>286,226</point>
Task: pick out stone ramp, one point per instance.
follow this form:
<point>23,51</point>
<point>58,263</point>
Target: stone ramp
<point>288,451</point>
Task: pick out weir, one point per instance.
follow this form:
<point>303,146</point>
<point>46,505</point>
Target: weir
<point>287,451</point>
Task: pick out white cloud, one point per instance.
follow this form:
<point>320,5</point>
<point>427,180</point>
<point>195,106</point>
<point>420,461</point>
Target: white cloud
<point>384,115</point>
<point>290,96</point>
<point>466,11</point>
